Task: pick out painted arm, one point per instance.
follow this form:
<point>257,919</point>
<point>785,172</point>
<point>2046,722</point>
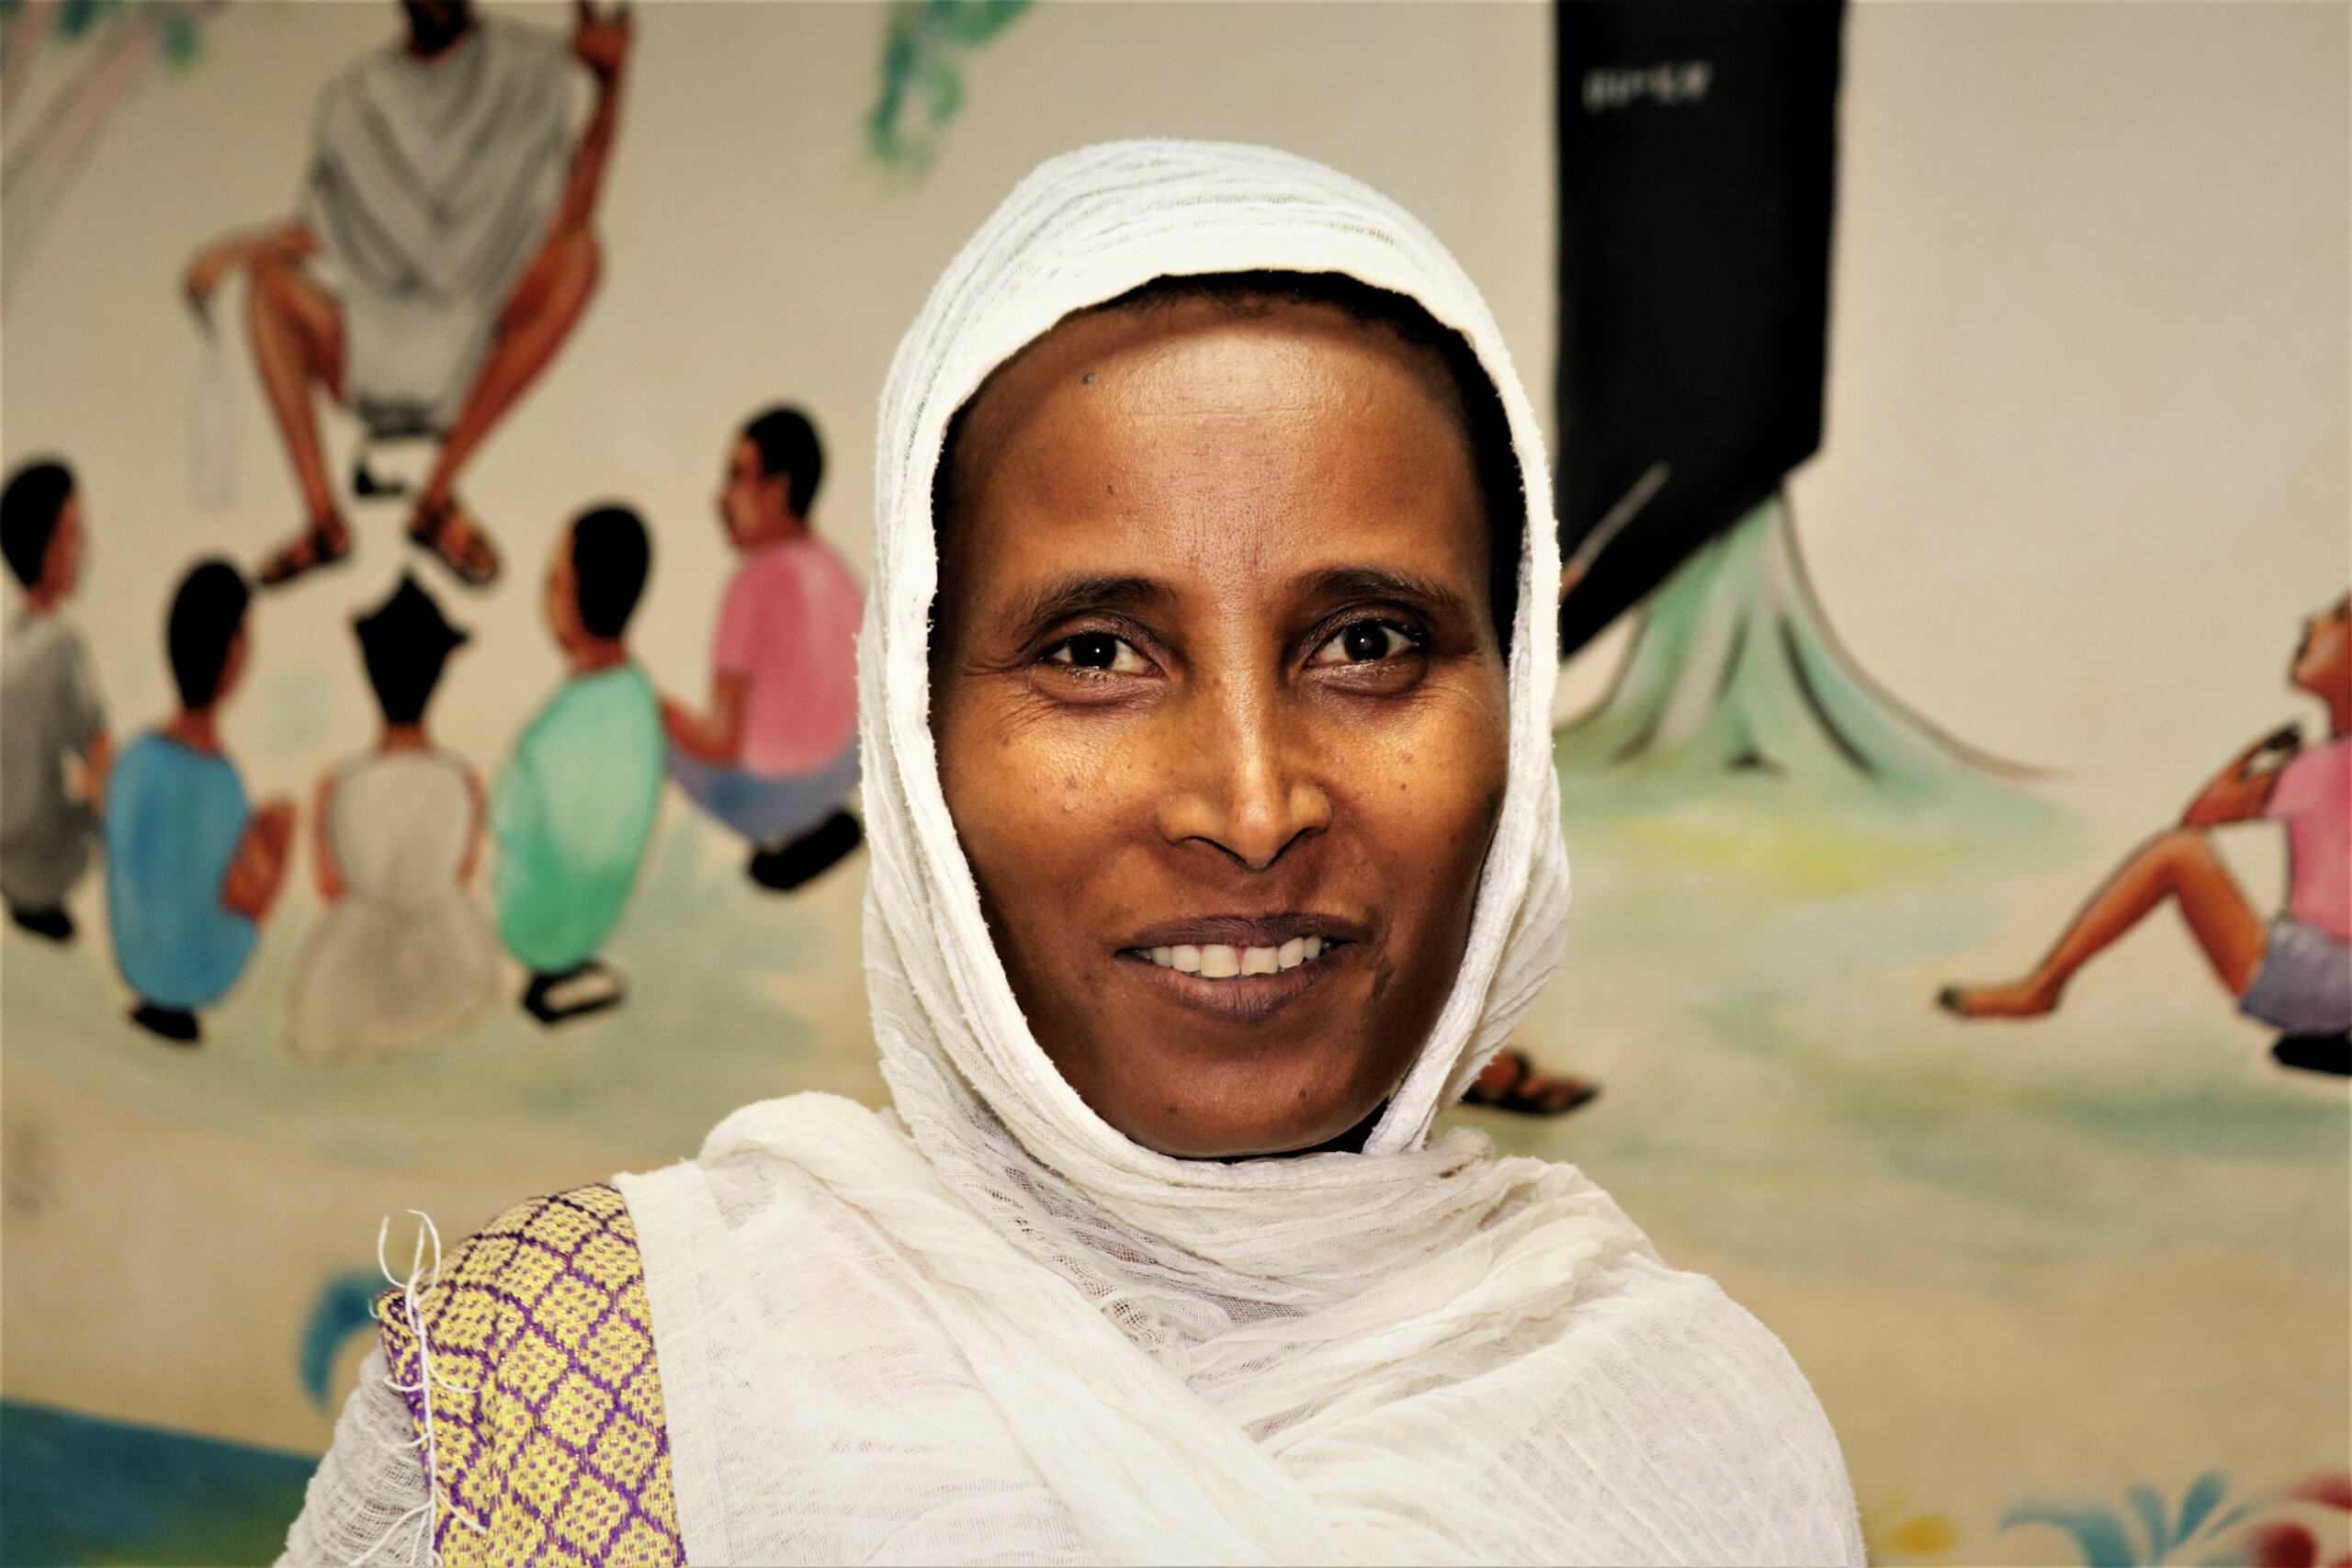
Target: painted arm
<point>472,860</point>
<point>600,43</point>
<point>98,762</point>
<point>331,886</point>
<point>2240,791</point>
<point>715,737</point>
<point>257,874</point>
<point>290,241</point>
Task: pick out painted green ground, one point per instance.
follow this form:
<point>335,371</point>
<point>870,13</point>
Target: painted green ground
<point>731,991</point>
<point>1754,986</point>
<point>2053,1260</point>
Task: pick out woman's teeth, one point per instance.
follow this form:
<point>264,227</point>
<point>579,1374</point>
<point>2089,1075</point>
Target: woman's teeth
<point>1216,961</point>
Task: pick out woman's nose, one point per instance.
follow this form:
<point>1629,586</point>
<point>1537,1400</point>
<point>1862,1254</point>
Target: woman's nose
<point>1244,780</point>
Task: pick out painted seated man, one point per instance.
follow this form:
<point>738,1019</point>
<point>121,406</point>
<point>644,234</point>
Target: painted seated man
<point>774,755</point>
<point>2295,974</point>
<point>53,721</point>
<point>403,958</point>
<point>443,251</point>
<point>192,870</point>
<point>575,806</point>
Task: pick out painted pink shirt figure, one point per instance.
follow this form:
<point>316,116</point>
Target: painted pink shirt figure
<point>2313,798</point>
<point>788,627</point>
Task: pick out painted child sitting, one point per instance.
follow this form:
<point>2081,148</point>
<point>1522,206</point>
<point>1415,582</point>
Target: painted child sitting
<point>403,957</point>
<point>191,869</point>
<point>775,757</point>
<point>575,806</point>
<point>2293,973</point>
<point>52,722</point>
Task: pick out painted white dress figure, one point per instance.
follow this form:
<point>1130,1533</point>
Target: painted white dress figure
<point>404,956</point>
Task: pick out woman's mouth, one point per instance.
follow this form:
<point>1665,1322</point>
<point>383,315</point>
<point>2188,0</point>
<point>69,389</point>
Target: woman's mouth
<point>1221,960</point>
<point>1262,964</point>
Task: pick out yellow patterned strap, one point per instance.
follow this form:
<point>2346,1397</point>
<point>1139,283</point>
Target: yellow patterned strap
<point>548,1442</point>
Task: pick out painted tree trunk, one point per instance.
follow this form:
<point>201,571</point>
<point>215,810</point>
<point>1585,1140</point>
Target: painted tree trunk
<point>1734,674</point>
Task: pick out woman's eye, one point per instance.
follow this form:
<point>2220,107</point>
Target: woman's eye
<point>1366,642</point>
<point>1098,650</point>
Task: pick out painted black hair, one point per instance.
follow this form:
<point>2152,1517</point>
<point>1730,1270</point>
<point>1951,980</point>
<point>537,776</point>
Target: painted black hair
<point>205,615</point>
<point>1486,426</point>
<point>405,642</point>
<point>788,444</point>
<point>30,508</point>
<point>611,554</point>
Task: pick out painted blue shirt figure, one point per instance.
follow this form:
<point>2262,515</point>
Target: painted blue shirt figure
<point>176,822</point>
<point>191,868</point>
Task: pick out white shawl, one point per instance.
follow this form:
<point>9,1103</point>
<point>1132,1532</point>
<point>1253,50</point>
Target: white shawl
<point>994,1329</point>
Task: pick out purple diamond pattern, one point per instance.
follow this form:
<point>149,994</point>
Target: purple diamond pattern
<point>547,1406</point>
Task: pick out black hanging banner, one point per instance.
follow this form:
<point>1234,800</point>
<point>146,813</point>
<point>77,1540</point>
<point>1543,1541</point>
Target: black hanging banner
<point>1698,151</point>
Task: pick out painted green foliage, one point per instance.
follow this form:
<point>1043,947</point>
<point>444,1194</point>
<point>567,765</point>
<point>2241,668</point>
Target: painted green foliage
<point>2145,1533</point>
<point>923,45</point>
<point>72,19</point>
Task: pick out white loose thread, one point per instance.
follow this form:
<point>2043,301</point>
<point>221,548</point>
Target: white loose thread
<point>421,1277</point>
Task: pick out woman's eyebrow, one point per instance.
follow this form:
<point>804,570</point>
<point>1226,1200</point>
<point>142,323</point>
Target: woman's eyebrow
<point>1064,597</point>
<point>1380,582</point>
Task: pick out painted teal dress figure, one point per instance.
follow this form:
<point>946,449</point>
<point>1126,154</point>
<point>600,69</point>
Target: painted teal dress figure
<point>192,869</point>
<point>575,806</point>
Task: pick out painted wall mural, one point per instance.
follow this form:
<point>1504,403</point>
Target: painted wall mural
<point>110,47</point>
<point>452,793</point>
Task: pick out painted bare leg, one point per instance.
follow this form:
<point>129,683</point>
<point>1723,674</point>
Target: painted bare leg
<point>546,305</point>
<point>2180,864</point>
<point>297,332</point>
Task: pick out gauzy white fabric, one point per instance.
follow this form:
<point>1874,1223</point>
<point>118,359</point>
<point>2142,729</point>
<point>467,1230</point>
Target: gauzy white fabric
<point>997,1330</point>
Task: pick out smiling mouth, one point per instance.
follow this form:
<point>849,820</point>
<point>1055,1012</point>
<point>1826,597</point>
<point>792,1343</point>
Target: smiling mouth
<point>1260,966</point>
<point>1223,960</point>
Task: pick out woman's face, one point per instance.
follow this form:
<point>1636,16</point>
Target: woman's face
<point>1221,710</point>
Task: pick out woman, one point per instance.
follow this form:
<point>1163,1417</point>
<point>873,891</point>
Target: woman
<point>1216,846</point>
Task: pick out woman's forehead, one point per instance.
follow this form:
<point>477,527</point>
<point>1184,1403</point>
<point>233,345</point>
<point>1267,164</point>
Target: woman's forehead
<point>1191,434</point>
<point>1203,355</point>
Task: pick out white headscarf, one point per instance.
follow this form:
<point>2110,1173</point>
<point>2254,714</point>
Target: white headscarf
<point>1001,1330</point>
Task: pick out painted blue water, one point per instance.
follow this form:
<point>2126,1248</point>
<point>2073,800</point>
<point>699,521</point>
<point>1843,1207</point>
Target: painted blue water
<point>76,1489</point>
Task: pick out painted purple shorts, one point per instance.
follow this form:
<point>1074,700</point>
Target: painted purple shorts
<point>2305,983</point>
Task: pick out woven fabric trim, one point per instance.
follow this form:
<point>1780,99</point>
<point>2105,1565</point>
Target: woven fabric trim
<point>545,1401</point>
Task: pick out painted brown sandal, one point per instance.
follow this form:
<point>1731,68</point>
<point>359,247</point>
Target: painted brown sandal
<point>1511,1083</point>
<point>456,538</point>
<point>307,553</point>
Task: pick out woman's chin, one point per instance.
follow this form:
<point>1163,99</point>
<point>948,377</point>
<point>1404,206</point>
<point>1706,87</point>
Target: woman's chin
<point>1251,1114</point>
<point>1195,1141</point>
<point>1237,1066</point>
